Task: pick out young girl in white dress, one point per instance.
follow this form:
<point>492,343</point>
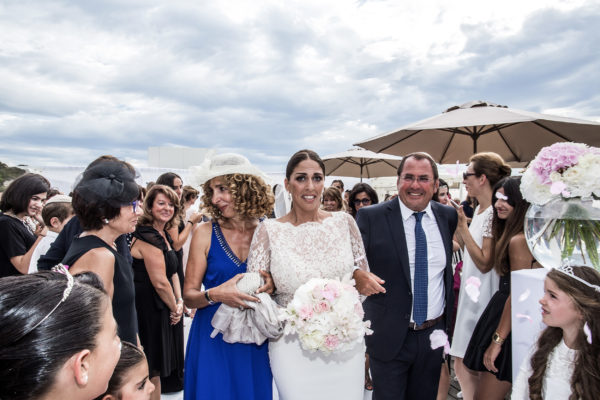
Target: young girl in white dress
<point>566,360</point>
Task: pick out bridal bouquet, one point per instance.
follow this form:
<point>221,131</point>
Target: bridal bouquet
<point>563,185</point>
<point>327,315</point>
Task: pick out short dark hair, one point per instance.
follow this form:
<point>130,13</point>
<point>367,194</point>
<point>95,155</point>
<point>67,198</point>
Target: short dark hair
<point>105,187</point>
<point>59,210</point>
<point>130,357</point>
<point>359,188</point>
<point>300,156</point>
<point>30,354</point>
<point>419,155</point>
<point>17,195</point>
<point>167,179</point>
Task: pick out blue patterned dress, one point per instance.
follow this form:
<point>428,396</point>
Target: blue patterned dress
<point>215,369</point>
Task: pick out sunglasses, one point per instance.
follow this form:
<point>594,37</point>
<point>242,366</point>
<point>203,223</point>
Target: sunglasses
<point>365,202</point>
<point>468,174</point>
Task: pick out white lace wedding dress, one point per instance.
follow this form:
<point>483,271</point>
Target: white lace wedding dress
<point>293,255</point>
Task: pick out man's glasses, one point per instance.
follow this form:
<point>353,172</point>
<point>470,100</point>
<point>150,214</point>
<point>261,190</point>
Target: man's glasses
<point>365,202</point>
<point>468,174</point>
<point>420,179</point>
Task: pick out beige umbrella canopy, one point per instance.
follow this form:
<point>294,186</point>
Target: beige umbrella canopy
<point>461,131</point>
<point>361,163</point>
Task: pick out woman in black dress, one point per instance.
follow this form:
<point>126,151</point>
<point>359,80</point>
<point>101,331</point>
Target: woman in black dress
<point>21,204</point>
<point>489,350</point>
<point>158,297</point>
<point>105,201</point>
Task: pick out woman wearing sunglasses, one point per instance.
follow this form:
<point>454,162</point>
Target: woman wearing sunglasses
<point>105,202</point>
<point>483,172</point>
<point>362,195</point>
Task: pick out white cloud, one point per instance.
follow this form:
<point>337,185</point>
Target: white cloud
<point>266,78</point>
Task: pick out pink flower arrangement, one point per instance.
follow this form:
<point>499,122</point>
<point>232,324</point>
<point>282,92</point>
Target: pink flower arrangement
<point>327,315</point>
<point>562,170</point>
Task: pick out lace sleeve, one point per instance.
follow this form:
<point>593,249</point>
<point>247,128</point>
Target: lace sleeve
<point>260,250</point>
<point>358,248</point>
<point>487,225</point>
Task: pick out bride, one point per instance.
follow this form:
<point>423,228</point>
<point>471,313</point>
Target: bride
<point>311,243</point>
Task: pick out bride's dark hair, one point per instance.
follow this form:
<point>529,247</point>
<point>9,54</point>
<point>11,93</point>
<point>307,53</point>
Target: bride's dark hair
<point>585,381</point>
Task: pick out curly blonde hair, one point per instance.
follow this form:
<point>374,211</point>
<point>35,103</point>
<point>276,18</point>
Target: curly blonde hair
<point>252,197</point>
<point>147,218</point>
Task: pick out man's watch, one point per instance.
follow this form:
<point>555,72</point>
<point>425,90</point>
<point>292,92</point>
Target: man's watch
<point>210,301</point>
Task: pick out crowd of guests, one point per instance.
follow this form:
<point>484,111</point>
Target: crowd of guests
<point>94,285</point>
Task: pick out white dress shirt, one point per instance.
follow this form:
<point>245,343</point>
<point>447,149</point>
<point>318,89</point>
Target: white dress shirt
<point>436,258</point>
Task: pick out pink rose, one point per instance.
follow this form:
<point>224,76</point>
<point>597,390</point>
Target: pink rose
<point>330,292</point>
<point>322,306</point>
<point>331,342</point>
<point>306,312</point>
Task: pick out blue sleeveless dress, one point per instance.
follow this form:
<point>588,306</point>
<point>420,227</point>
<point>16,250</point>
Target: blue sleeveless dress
<point>215,369</point>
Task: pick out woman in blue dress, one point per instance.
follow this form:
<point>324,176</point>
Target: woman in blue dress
<point>236,197</point>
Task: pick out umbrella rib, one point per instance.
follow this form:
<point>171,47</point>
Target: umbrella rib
<point>552,131</point>
<point>447,145</point>
<point>507,145</point>
<point>397,141</point>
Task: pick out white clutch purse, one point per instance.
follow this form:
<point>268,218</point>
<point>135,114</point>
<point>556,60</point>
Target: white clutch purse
<point>250,282</point>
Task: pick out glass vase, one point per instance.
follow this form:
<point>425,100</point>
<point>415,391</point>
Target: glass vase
<point>564,232</point>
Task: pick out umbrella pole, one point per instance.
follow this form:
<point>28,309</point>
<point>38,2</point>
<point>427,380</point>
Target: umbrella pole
<point>361,169</point>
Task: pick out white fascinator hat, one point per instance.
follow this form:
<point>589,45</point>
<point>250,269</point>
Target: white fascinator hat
<point>224,164</point>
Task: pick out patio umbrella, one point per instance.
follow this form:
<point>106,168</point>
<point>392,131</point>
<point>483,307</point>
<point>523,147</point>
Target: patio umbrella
<point>361,163</point>
<point>462,131</point>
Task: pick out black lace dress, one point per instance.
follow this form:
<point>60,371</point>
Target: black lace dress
<point>156,332</point>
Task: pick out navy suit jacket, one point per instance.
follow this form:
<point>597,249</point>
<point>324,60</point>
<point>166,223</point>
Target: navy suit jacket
<point>382,230</point>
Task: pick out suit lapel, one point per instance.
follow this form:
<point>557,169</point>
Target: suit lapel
<point>396,225</point>
<point>442,223</point>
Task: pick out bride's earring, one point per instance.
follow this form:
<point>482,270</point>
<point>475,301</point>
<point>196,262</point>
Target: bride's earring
<point>105,220</point>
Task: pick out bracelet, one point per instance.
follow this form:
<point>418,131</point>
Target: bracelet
<point>190,222</point>
<point>497,339</point>
<point>210,301</point>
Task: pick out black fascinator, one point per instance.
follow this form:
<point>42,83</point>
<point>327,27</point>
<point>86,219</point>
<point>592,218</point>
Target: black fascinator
<point>108,181</point>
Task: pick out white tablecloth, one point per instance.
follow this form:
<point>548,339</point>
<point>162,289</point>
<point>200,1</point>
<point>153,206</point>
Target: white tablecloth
<point>527,288</point>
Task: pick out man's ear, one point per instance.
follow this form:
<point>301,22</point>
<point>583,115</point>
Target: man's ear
<point>55,222</point>
<point>109,397</point>
<point>81,367</point>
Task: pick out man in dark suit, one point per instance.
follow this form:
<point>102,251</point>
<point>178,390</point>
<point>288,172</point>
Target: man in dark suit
<point>408,242</point>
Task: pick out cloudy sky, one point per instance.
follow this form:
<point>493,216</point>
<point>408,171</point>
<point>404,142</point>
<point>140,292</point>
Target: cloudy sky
<point>266,78</point>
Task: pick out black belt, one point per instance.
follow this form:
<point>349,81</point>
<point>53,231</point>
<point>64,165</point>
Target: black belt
<point>427,324</point>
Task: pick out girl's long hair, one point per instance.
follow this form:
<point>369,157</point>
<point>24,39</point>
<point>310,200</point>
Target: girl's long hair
<point>504,230</point>
<point>585,381</point>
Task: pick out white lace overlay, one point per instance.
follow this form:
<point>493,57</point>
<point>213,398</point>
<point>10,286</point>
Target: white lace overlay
<point>295,254</point>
